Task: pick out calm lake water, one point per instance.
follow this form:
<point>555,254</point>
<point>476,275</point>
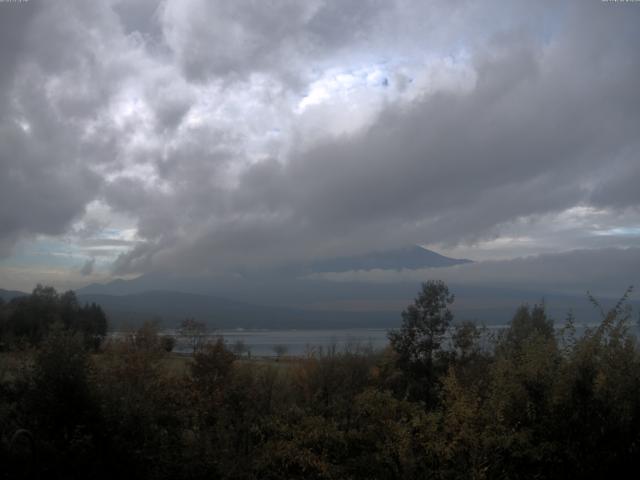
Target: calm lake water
<point>298,342</point>
<point>263,343</point>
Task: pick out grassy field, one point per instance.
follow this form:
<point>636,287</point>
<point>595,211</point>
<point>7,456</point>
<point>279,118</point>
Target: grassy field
<point>11,363</point>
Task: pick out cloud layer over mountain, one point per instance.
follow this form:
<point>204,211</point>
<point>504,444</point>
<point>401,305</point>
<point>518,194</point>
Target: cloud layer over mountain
<point>607,272</point>
<point>194,136</point>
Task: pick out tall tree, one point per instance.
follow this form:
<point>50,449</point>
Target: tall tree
<point>419,340</point>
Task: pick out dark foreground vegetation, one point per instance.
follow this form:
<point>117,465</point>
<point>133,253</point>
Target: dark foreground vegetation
<point>441,402</point>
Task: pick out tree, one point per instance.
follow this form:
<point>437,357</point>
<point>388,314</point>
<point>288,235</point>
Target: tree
<point>94,324</point>
<point>210,369</point>
<point>167,343</point>
<point>417,343</point>
<point>525,324</point>
<point>466,340</point>
<point>280,350</point>
<point>147,337</point>
<point>61,393</point>
<point>239,347</point>
<point>194,333</point>
<point>60,408</point>
<point>29,318</point>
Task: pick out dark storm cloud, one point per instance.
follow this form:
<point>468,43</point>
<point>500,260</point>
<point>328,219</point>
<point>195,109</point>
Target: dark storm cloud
<point>186,117</point>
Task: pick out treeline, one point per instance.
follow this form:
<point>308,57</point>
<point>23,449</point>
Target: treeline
<point>441,402</point>
<point>26,321</point>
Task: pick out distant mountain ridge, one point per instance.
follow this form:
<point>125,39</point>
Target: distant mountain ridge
<point>489,305</point>
<point>8,295</point>
<point>172,307</point>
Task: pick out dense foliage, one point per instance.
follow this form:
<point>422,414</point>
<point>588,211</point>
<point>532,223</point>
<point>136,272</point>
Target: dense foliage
<point>29,319</point>
<point>442,402</point>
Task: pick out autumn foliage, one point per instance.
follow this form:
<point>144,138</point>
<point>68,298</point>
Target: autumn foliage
<point>444,401</point>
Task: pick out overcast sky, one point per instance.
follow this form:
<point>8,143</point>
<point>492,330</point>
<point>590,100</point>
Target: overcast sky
<point>196,136</point>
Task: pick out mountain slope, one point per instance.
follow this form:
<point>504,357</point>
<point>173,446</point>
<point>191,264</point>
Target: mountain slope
<point>7,295</point>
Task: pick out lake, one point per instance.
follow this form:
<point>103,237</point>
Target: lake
<point>262,343</point>
<point>297,342</point>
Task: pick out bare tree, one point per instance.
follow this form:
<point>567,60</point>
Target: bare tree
<point>194,333</point>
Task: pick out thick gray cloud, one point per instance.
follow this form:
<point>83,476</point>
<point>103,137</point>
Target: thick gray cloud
<point>236,39</point>
<point>87,267</point>
<point>244,133</point>
<point>607,271</point>
<point>535,133</point>
<point>14,24</point>
<point>46,181</point>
